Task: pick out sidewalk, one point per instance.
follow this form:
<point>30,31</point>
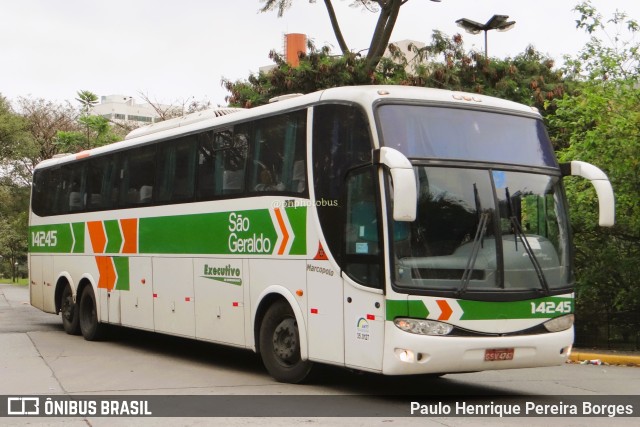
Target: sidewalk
<point>608,357</point>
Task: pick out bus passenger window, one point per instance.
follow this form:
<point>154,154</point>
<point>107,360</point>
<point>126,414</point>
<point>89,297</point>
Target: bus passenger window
<point>139,176</point>
<point>233,159</point>
<point>278,154</point>
<point>175,171</point>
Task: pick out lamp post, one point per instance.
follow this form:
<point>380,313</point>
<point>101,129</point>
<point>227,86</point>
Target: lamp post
<point>497,22</point>
<point>15,274</point>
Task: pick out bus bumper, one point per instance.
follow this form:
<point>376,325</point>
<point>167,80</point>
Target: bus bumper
<point>410,354</point>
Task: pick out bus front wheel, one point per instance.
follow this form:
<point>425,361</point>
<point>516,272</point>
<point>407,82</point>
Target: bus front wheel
<point>280,345</point>
<point>91,329</point>
<point>69,312</point>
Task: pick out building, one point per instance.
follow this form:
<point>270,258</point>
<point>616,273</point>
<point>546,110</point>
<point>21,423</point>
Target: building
<point>125,109</point>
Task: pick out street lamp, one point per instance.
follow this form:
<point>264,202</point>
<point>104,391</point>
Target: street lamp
<point>497,22</point>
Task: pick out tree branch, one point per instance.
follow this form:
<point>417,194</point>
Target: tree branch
<point>336,27</point>
<point>382,34</point>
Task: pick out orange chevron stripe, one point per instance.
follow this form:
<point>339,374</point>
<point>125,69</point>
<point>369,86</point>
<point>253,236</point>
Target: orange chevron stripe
<point>285,238</point>
<point>445,308</point>
<point>97,235</point>
<point>130,234</point>
<point>107,272</point>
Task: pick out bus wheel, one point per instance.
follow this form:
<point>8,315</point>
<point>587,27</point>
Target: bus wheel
<point>91,329</point>
<point>69,312</point>
<point>280,345</point>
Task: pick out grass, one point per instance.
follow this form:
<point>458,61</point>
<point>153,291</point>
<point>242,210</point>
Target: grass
<point>21,282</point>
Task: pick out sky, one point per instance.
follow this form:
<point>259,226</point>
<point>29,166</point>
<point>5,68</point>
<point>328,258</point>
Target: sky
<point>175,51</point>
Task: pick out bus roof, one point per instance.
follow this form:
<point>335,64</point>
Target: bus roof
<point>364,95</point>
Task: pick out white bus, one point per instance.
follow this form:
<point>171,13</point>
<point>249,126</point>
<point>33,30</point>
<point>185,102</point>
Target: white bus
<point>395,230</point>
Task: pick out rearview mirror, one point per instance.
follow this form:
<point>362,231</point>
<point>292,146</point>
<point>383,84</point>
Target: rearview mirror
<point>600,181</point>
<point>405,201</point>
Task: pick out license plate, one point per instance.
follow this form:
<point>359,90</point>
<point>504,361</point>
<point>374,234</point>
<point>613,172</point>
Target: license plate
<point>498,354</point>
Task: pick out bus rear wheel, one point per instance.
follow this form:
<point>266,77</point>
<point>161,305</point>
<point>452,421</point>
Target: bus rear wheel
<point>280,345</point>
<point>91,329</point>
<point>69,312</point>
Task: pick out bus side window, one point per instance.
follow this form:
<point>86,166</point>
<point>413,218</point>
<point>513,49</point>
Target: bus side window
<point>206,166</point>
<point>176,170</point>
<point>100,183</point>
<point>137,186</point>
<point>233,160</point>
<point>73,186</point>
<point>278,154</point>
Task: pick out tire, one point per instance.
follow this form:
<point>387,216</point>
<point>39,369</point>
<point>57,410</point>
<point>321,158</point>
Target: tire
<point>280,345</point>
<point>69,312</point>
<point>91,329</point>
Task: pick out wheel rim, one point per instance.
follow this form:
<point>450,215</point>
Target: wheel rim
<point>285,342</point>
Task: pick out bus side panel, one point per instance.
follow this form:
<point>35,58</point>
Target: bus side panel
<point>48,285</point>
<point>137,302</point>
<point>35,281</point>
<point>286,275</point>
<point>173,299</point>
<point>326,317</point>
<point>219,305</point>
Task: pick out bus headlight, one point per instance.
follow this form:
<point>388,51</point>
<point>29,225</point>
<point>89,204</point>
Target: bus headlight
<point>423,326</point>
<point>559,323</point>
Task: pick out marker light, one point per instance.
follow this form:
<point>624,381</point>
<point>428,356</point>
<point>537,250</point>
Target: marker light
<point>423,326</point>
<point>559,323</point>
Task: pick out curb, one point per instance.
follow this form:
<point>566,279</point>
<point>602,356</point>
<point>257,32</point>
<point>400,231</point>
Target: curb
<point>610,359</point>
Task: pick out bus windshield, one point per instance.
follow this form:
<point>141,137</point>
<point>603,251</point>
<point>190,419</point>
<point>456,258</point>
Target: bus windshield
<point>419,131</point>
<point>483,230</point>
<point>480,228</point>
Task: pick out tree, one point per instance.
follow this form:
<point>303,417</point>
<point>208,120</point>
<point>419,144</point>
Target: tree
<point>600,122</point>
<point>36,140</point>
<point>318,69</point>
<point>388,11</point>
<point>528,78</point>
<point>444,63</point>
<point>14,205</point>
<point>97,130</point>
<point>87,100</point>
<point>13,133</point>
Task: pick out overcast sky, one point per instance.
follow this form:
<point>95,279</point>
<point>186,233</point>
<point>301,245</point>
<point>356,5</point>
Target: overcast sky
<point>174,50</point>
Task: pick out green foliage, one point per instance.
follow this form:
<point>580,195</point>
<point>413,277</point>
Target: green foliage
<point>318,69</point>
<point>528,78</point>
<point>97,132</point>
<point>600,123</point>
<point>14,203</point>
<point>93,131</point>
<point>39,130</point>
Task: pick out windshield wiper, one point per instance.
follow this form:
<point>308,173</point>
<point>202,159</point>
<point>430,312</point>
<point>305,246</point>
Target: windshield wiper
<point>475,250</point>
<point>519,234</point>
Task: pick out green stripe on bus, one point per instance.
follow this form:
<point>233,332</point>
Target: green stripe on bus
<point>404,308</point>
<point>54,238</point>
<point>78,236</point>
<point>114,237</point>
<point>298,219</point>
<point>250,232</point>
<point>540,308</point>
<point>121,265</point>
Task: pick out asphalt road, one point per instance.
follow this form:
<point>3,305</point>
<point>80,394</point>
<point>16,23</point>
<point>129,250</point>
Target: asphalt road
<point>38,358</point>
